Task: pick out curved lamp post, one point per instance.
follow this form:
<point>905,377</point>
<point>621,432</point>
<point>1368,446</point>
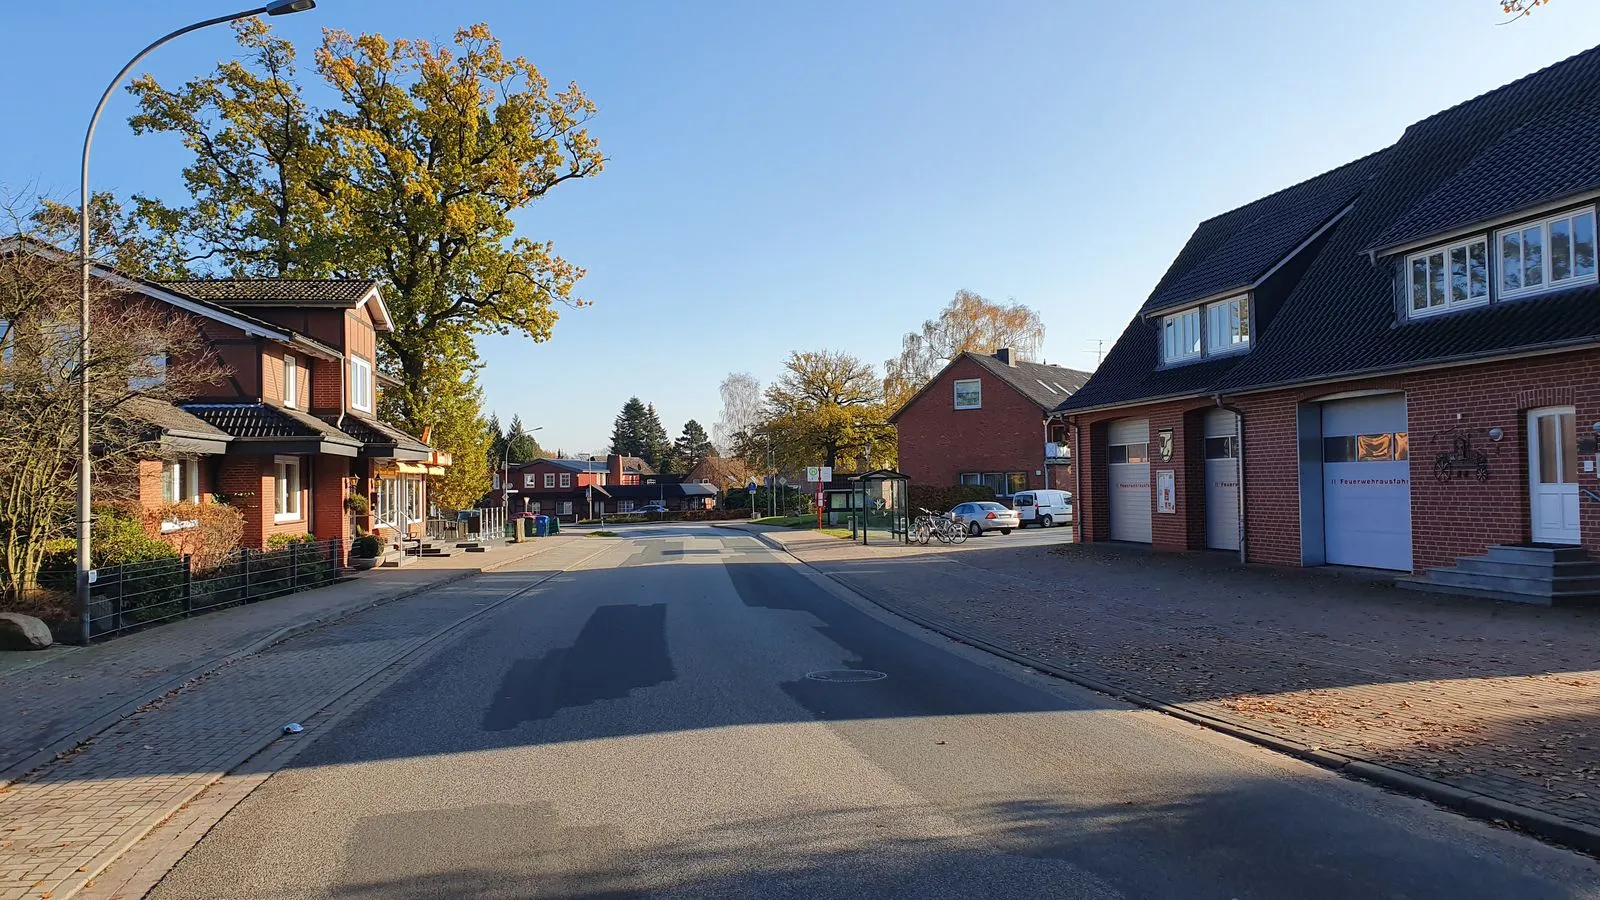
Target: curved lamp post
<point>274,8</point>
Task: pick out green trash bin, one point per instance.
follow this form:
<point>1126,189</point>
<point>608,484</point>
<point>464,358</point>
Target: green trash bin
<point>555,524</point>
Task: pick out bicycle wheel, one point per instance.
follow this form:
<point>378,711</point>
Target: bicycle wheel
<point>920,533</point>
<point>958,535</point>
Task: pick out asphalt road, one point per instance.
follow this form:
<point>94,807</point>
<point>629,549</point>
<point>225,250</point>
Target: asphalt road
<point>649,726</point>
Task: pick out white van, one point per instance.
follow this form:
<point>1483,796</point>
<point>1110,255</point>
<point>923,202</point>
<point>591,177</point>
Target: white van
<point>1043,508</point>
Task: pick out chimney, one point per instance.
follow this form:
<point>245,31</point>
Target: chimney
<point>427,432</point>
<point>1004,355</point>
<point>613,468</point>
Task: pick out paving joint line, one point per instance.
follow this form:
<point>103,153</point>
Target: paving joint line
<point>86,734</point>
<point>92,870</point>
<point>1557,829</point>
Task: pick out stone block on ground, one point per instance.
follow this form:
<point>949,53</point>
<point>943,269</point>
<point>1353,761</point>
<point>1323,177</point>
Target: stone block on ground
<point>20,632</point>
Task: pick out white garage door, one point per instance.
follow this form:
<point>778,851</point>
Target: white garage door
<point>1130,480</point>
<point>1222,480</point>
<point>1366,482</point>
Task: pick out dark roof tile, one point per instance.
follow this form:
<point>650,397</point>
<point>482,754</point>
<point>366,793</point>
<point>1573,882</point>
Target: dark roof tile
<point>277,291</point>
<point>1044,384</point>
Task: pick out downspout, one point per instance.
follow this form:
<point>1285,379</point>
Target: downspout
<point>344,389</point>
<point>1046,450</point>
<point>1238,446</point>
<point>1077,482</point>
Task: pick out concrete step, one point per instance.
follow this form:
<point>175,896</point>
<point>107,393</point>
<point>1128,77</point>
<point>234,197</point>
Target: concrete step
<point>1537,554</point>
<point>395,562</point>
<point>477,548</point>
<point>1424,586</point>
<point>1490,566</point>
<point>1516,584</point>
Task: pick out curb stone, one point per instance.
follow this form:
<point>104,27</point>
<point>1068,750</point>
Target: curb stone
<point>1482,806</point>
<point>83,735</point>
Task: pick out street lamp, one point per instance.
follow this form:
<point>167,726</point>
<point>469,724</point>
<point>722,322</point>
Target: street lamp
<point>505,468</point>
<point>274,8</point>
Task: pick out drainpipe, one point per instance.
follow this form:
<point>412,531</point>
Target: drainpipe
<point>1077,481</point>
<point>343,391</point>
<point>1238,443</point>
<point>1046,467</point>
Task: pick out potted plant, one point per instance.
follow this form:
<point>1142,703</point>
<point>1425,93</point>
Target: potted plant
<point>366,551</point>
<point>360,512</point>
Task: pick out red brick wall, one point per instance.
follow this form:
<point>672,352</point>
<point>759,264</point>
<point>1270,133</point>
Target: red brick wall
<point>1184,529</point>
<point>247,480</point>
<point>328,517</point>
<point>1449,520</point>
<point>938,442</point>
<point>325,382</point>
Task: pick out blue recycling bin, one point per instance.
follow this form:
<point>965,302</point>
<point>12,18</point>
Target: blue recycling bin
<point>541,526</point>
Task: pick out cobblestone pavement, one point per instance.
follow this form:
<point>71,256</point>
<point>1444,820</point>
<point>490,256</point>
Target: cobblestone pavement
<point>63,823</point>
<point>68,691</point>
<point>1493,698</point>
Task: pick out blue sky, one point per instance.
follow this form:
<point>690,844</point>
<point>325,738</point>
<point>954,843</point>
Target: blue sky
<point>826,174</point>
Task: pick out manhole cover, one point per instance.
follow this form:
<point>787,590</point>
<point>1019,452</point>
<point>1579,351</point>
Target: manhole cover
<point>846,675</point>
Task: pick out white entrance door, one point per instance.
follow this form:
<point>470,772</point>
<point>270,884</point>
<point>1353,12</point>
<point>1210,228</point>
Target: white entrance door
<point>1222,480</point>
<point>1129,469</point>
<point>1553,475</point>
<point>1366,482</point>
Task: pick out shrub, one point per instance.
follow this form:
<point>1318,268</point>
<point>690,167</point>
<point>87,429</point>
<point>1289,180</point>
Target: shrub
<point>367,546</point>
<point>214,531</point>
<point>941,498</point>
<point>357,505</point>
<point>280,541</point>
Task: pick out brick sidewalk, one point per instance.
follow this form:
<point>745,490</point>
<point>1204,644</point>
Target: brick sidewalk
<point>79,690</point>
<point>65,822</point>
<point>1495,699</point>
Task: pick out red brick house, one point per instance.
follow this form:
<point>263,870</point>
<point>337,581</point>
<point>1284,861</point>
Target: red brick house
<point>579,488</point>
<point>985,419</point>
<point>1386,366</point>
<point>290,432</point>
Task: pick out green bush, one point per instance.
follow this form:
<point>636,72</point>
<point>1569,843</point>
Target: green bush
<point>280,541</point>
<point>941,498</point>
<point>367,546</point>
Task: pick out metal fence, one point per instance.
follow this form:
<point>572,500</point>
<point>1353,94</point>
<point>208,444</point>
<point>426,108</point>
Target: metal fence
<point>139,595</point>
<point>469,525</point>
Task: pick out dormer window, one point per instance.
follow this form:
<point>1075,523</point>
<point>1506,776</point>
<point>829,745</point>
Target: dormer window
<point>1555,253</point>
<point>1449,277</point>
<point>291,381</point>
<point>360,384</point>
<point>1205,331</point>
<point>1180,333</point>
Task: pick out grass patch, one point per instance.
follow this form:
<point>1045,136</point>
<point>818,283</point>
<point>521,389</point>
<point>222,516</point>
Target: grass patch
<point>602,534</point>
<point>834,532</point>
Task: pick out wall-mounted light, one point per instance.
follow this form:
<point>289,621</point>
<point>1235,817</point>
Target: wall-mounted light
<point>1496,434</point>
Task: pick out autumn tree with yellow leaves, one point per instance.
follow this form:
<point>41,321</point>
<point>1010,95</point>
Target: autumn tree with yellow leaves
<point>411,177</point>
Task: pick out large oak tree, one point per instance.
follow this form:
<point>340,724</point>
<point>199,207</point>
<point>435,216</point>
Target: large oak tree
<point>411,176</point>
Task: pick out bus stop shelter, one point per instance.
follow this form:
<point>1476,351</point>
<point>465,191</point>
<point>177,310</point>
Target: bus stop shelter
<point>882,511</point>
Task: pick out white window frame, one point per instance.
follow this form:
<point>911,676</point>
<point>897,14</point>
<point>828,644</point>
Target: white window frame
<point>360,384</point>
<point>549,480</point>
<point>623,506</point>
<point>288,505</point>
<point>180,481</point>
<point>291,382</point>
<point>1175,332</point>
<point>5,342</point>
<point>969,382</point>
<point>530,480</point>
<point>1238,342</point>
<point>411,488</point>
<point>564,508</point>
<point>1546,285</point>
<point>1444,252</point>
<point>566,479</point>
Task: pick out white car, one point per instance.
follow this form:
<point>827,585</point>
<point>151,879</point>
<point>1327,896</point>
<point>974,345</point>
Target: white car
<point>1043,508</point>
<point>978,517</point>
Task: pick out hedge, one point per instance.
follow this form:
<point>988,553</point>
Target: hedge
<point>942,498</point>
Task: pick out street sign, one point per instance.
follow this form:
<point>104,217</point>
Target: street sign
<point>752,486</point>
<point>827,473</point>
<point>819,474</point>
<point>783,480</point>
<point>588,493</point>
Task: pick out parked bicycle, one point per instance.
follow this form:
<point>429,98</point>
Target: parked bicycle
<point>931,525</point>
